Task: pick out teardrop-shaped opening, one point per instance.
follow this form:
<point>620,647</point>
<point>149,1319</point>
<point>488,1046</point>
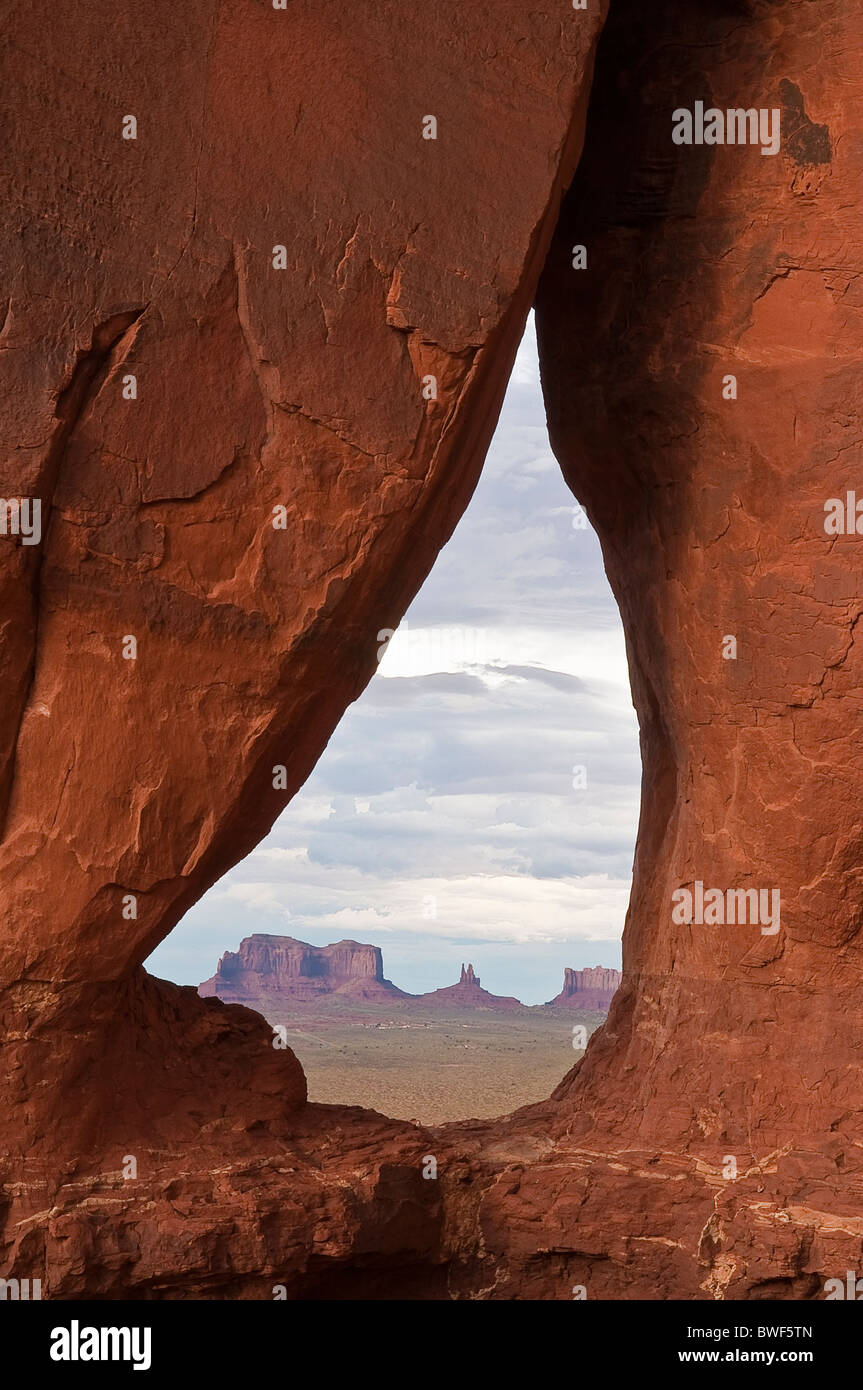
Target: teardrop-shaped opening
<point>433,924</point>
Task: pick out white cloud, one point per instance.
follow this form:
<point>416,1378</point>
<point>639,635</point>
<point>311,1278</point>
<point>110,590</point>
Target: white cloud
<point>452,777</point>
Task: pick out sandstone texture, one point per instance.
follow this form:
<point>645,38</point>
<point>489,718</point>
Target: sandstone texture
<point>258,389</point>
<point>130,782</point>
<point>705,263</point>
<point>593,988</point>
<point>278,966</point>
<point>251,362</point>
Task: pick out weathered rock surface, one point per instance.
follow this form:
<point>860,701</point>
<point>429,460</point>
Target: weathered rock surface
<point>279,966</point>
<point>592,988</point>
<point>258,388</point>
<point>245,472</point>
<point>302,388</point>
<point>704,263</point>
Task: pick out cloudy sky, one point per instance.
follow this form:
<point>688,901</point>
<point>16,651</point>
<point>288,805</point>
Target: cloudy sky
<point>479,802</point>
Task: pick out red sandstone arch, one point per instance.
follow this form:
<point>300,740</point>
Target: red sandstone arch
<point>261,387</point>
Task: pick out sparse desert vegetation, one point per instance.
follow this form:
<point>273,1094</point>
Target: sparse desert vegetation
<point>431,1066</point>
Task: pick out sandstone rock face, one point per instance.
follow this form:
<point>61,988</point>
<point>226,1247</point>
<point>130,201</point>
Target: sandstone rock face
<point>279,264</point>
<point>468,994</point>
<point>711,514</point>
<point>593,988</point>
<point>707,263</point>
<point>278,967</point>
<point>256,331</point>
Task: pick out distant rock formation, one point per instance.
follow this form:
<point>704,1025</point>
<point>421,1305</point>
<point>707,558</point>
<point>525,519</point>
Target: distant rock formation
<point>468,993</point>
<point>268,970</point>
<point>269,966</point>
<point>592,988</point>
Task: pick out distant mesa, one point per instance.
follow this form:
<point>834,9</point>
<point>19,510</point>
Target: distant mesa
<point>468,993</point>
<point>268,970</point>
<point>266,966</point>
<point>593,988</point>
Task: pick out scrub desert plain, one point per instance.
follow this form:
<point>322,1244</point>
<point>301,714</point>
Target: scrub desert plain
<point>434,1067</point>
<point>456,1053</point>
<point>265,271</point>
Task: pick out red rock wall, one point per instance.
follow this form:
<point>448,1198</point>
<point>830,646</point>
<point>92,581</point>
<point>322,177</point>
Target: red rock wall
<point>706,262</point>
<point>131,779</point>
<point>257,388</point>
<point>301,388</point>
<point>727,1078</point>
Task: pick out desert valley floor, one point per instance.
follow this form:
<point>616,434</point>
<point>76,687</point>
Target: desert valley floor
<point>432,1067</point>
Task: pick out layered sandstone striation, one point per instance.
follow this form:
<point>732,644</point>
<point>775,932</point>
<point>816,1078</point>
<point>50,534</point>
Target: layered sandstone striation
<point>267,967</point>
<point>592,988</point>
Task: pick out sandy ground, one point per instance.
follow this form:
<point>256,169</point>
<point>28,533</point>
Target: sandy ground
<point>430,1066</point>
